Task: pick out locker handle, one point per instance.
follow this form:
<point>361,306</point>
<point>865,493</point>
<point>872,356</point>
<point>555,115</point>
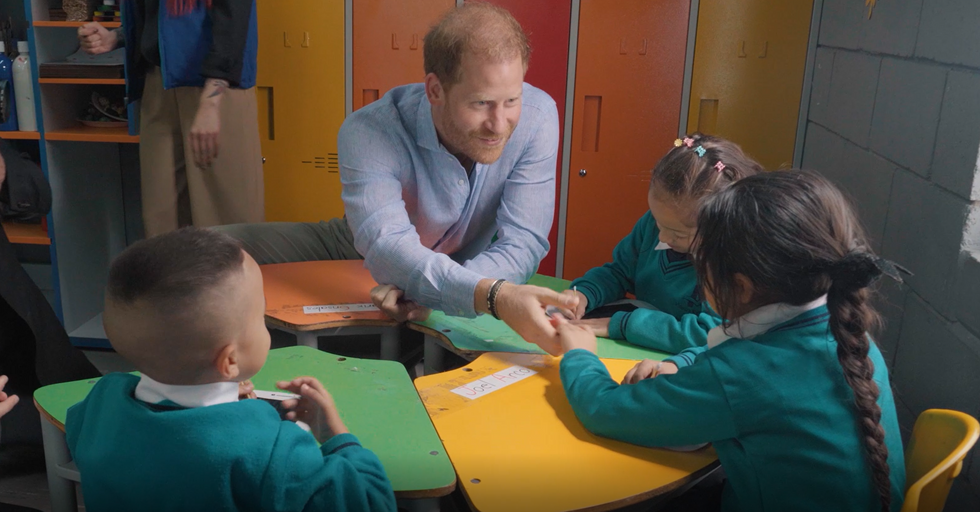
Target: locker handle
<point>415,42</point>
<point>708,116</point>
<point>590,126</point>
<point>267,110</point>
<point>369,96</point>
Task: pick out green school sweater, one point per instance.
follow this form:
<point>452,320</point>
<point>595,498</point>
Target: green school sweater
<point>665,279</point>
<point>229,457</point>
<point>776,408</point>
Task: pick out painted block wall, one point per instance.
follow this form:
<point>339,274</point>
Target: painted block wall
<point>895,120</point>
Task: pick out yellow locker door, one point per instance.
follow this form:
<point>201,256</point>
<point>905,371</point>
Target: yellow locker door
<point>301,106</point>
<point>749,60</point>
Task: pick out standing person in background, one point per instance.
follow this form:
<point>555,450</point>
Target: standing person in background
<point>193,63</point>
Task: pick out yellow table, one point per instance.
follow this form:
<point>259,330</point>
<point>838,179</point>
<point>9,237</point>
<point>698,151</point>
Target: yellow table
<point>517,445</point>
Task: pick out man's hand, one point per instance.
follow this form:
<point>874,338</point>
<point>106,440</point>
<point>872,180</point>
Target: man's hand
<point>95,39</point>
<point>6,402</point>
<point>316,408</point>
<point>600,326</point>
<point>583,303</point>
<point>207,123</point>
<point>3,170</point>
<point>390,299</point>
<point>648,369</point>
<point>522,307</point>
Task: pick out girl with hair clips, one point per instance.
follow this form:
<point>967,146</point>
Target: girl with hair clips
<point>791,391</point>
<point>652,262</point>
<point>192,62</point>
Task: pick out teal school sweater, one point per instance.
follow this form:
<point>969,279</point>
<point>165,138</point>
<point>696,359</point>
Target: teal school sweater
<point>229,457</point>
<point>665,279</point>
<point>776,408</point>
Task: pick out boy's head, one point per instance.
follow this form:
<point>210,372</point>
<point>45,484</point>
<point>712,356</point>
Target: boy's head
<point>187,307</point>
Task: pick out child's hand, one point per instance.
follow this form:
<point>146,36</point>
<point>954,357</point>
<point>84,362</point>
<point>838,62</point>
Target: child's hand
<point>648,369</point>
<point>7,402</point>
<point>574,336</point>
<point>599,326</point>
<point>583,303</point>
<point>246,390</point>
<point>316,408</point>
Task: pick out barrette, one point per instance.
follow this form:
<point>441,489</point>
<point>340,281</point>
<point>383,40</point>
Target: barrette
<point>700,151</point>
<point>689,142</point>
<point>719,166</point>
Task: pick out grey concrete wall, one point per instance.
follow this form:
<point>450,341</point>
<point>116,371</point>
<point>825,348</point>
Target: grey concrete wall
<point>895,120</point>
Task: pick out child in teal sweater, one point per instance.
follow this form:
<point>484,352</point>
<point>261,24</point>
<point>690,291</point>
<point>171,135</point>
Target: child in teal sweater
<point>652,261</point>
<point>791,391</point>
<point>187,310</point>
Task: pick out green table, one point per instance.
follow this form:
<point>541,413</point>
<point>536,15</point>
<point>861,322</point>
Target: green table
<point>376,400</point>
<point>470,337</point>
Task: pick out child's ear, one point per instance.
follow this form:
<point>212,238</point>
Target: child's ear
<point>744,288</point>
<point>226,362</point>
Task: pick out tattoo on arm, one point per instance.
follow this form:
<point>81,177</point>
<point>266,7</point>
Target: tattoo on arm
<point>219,86</point>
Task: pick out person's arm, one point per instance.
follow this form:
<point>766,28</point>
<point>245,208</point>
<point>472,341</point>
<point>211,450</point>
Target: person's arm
<point>7,402</point>
<point>613,280</point>
<point>686,357</point>
<point>527,205</point>
<point>95,39</point>
<point>230,21</point>
<point>661,331</point>
<point>689,407</point>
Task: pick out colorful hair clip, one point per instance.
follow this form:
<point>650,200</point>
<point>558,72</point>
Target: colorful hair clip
<point>719,166</point>
<point>678,142</point>
<point>689,142</point>
<point>700,151</point>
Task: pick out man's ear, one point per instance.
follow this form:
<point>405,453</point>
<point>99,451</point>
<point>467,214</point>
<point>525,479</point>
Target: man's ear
<point>226,362</point>
<point>745,289</point>
<point>434,90</point>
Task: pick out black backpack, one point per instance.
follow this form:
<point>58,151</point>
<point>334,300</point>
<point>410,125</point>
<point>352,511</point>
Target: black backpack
<point>25,196</point>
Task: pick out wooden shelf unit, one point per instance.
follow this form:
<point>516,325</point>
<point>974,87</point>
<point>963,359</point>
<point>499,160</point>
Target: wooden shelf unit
<point>33,234</point>
<point>20,135</point>
<point>83,133</point>
<point>83,81</point>
<point>75,24</point>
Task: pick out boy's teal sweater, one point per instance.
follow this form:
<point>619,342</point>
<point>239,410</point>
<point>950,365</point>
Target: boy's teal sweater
<point>776,408</point>
<point>665,279</point>
<point>234,456</point>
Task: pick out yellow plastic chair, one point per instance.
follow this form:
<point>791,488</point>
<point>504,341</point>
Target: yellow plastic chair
<point>934,457</point>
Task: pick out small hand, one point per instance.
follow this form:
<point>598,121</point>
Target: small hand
<point>246,390</point>
<point>7,402</point>
<point>600,326</point>
<point>648,369</point>
<point>583,303</point>
<point>391,300</point>
<point>522,307</point>
<point>574,336</point>
<point>95,39</point>
<point>315,407</point>
<point>204,134</point>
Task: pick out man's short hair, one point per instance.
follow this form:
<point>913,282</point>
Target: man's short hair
<point>476,28</point>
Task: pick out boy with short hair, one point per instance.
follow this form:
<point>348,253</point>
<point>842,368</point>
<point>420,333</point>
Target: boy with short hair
<point>187,310</point>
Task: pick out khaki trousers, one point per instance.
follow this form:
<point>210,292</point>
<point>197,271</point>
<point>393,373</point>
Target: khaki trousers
<point>175,191</point>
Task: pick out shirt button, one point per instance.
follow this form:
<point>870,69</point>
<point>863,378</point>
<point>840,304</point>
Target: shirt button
<point>461,182</point>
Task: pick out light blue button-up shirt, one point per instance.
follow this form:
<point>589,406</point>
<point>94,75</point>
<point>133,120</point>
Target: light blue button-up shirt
<point>426,227</point>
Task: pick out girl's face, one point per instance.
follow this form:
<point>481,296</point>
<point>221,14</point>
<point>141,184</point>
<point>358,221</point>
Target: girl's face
<point>676,218</point>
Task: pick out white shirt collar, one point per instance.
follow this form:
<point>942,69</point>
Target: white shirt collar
<point>662,246</point>
<point>201,395</point>
<point>759,321</point>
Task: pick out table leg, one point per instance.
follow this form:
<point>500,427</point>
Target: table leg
<point>61,490</point>
<point>306,339</point>
<point>433,356</point>
<point>389,343</point>
<point>419,505</point>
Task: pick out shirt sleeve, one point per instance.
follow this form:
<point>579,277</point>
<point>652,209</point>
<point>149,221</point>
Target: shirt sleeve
<point>526,209</point>
<point>662,331</point>
<point>230,21</point>
<point>612,281</point>
<point>384,234</point>
<point>340,475</point>
<point>686,408</point>
<point>686,357</point>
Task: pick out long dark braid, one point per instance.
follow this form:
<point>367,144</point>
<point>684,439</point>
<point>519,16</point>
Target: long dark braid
<point>795,236</point>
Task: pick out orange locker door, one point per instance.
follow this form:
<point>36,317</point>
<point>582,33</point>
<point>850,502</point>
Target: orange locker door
<point>300,90</point>
<point>387,44</point>
<point>628,81</point>
<point>546,23</point>
<point>749,61</point>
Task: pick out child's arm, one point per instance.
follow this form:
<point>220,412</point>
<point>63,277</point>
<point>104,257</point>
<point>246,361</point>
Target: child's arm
<point>687,408</point>
<point>661,331</point>
<point>613,280</point>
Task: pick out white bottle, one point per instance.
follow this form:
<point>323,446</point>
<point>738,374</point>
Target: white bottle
<point>24,89</point>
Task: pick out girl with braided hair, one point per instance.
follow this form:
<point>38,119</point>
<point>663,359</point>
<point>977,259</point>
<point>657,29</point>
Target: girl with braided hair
<point>791,390</point>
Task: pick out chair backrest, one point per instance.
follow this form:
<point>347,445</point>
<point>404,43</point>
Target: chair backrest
<point>934,457</point>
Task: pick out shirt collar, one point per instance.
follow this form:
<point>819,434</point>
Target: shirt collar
<point>759,321</point>
<point>201,395</point>
<point>426,127</point>
<point>662,246</point>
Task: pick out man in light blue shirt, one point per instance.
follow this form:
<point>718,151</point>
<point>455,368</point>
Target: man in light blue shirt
<point>448,185</point>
